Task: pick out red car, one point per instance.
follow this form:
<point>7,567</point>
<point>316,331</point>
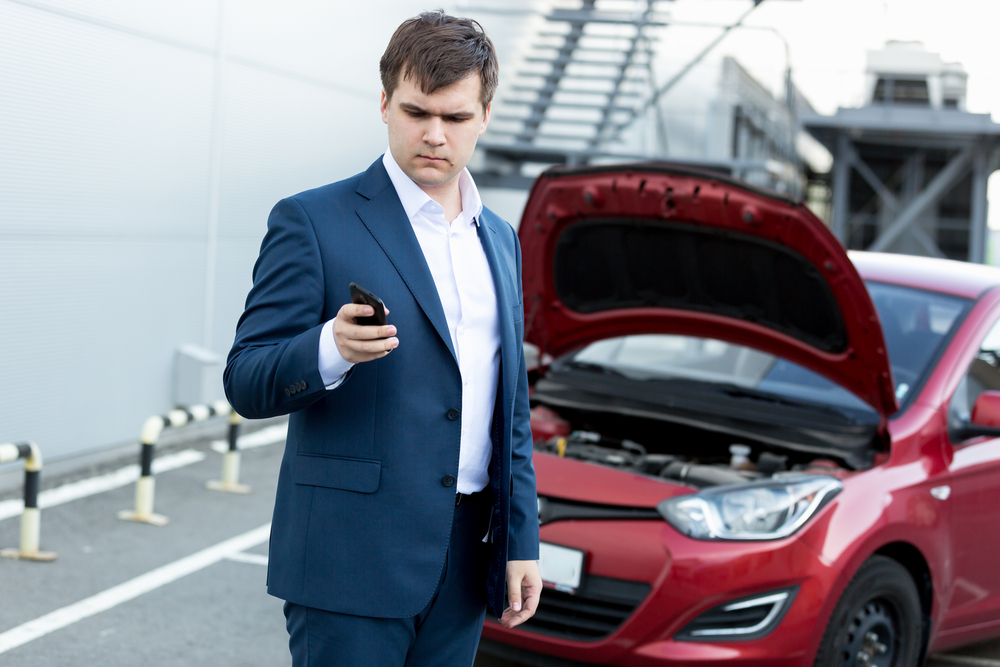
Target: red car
<point>751,449</point>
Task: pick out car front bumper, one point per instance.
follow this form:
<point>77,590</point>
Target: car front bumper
<point>686,577</point>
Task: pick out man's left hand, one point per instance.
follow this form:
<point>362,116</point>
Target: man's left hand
<point>524,586</point>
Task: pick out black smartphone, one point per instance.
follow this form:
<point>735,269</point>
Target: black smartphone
<point>361,295</point>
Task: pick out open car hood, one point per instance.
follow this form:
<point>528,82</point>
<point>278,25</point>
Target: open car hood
<point>654,248</point>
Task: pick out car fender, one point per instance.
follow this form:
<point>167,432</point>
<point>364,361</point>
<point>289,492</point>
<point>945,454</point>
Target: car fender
<point>851,532</point>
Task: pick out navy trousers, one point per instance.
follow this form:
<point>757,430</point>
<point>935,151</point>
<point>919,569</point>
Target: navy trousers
<point>444,634</point>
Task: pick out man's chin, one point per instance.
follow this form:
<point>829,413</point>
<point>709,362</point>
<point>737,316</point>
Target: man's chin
<point>430,177</point>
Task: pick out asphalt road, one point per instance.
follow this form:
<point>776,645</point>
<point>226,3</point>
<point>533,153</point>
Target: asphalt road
<point>187,594</point>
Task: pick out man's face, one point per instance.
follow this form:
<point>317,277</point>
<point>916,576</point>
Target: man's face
<point>432,136</point>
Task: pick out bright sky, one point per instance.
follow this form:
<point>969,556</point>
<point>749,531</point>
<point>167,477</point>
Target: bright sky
<point>828,41</point>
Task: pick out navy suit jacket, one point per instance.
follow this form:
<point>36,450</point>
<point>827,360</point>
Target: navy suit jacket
<point>362,518</point>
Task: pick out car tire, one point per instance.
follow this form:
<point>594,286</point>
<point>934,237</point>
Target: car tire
<point>877,621</point>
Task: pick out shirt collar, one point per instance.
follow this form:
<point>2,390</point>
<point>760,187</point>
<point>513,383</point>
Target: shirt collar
<point>414,199</point>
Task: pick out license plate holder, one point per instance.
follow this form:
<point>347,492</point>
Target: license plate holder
<point>560,567</point>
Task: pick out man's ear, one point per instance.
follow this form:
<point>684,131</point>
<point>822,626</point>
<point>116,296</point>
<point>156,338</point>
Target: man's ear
<point>486,119</point>
<point>384,108</point>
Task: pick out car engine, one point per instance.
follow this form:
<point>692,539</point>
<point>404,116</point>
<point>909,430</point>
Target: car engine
<point>744,463</point>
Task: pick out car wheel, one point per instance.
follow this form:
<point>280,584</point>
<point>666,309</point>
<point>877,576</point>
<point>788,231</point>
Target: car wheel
<point>876,622</point>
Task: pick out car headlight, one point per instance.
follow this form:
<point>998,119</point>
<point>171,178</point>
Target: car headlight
<point>766,510</point>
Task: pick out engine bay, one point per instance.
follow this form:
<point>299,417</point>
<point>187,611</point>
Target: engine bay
<point>686,455</point>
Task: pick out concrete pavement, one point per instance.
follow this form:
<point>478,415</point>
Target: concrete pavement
<point>189,593</point>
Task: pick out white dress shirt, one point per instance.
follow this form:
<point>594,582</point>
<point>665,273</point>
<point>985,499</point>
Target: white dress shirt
<point>464,282</point>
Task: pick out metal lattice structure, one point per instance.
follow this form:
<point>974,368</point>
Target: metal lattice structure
<point>911,166</point>
<point>588,92</point>
<point>911,181</point>
<point>587,74</point>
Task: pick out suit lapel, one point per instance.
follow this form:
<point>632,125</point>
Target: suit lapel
<point>386,220</point>
<point>505,292</point>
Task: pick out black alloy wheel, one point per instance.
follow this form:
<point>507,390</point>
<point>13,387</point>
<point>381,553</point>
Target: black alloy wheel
<point>877,621</point>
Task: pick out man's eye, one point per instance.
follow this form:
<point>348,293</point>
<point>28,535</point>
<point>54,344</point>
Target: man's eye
<point>415,114</point>
<point>457,119</point>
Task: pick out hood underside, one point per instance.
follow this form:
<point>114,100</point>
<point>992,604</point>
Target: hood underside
<point>656,249</point>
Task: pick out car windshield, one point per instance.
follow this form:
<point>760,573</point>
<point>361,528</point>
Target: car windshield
<point>915,323</point>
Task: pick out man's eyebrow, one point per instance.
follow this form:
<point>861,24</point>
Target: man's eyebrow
<point>406,106</point>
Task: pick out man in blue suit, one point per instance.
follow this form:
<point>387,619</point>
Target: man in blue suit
<point>406,500</point>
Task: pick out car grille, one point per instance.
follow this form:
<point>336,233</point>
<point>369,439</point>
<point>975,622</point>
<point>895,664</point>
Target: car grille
<point>598,607</point>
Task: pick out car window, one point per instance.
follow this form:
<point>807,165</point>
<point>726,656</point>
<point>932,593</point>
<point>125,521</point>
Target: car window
<point>983,374</point>
<point>672,357</point>
<point>916,325</point>
<point>681,357</point>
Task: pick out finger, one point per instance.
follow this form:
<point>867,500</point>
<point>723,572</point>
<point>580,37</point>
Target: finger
<point>372,346</point>
<point>365,332</point>
<point>531,598</point>
<point>511,619</point>
<point>348,328</point>
<point>361,357</point>
<point>530,593</point>
<point>514,592</point>
<point>381,332</point>
<point>349,311</point>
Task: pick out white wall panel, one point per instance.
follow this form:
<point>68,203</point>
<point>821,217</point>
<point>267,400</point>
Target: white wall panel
<point>109,121</point>
<point>186,21</point>
<point>102,132</point>
<point>234,269</point>
<point>283,136</point>
<point>89,332</point>
<point>340,42</point>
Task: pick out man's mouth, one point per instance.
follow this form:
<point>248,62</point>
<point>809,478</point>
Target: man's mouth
<point>431,158</point>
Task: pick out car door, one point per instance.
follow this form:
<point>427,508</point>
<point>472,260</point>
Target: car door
<point>975,499</point>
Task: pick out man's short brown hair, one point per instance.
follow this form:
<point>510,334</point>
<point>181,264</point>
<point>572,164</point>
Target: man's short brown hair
<point>435,50</point>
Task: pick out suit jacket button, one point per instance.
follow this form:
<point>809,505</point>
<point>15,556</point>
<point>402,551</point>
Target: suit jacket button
<point>447,480</point>
<point>303,386</point>
<point>288,392</point>
<point>453,414</point>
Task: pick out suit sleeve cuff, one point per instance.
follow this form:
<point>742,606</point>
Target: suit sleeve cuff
<point>333,367</point>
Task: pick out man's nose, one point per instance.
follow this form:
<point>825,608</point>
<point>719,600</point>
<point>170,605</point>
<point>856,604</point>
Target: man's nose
<point>434,131</point>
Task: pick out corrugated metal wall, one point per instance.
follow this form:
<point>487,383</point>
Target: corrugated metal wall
<point>141,148</point>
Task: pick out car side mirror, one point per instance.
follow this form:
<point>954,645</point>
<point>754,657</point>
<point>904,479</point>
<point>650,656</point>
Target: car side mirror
<point>985,418</point>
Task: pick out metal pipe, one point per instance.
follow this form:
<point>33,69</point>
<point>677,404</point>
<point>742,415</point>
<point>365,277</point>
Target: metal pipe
<point>952,171</point>
<point>152,428</point>
<point>842,164</point>
<point>230,481</point>
<point>675,79</point>
<point>977,217</point>
<point>31,519</point>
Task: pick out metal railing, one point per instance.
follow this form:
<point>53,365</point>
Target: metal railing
<point>31,518</point>
<point>145,487</point>
<point>231,462</point>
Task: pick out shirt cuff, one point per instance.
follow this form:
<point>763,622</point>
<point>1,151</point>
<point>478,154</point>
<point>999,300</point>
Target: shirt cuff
<point>332,366</point>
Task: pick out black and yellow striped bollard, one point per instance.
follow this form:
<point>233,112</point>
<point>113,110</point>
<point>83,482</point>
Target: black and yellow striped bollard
<point>31,518</point>
<point>151,430</point>
<point>231,462</point>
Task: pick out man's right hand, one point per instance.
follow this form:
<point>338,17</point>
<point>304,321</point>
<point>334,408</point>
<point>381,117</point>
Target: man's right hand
<point>358,343</point>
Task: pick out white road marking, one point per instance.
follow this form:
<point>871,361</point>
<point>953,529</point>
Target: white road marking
<point>963,660</point>
<point>129,590</point>
<point>265,436</point>
<point>101,483</point>
<point>256,559</point>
